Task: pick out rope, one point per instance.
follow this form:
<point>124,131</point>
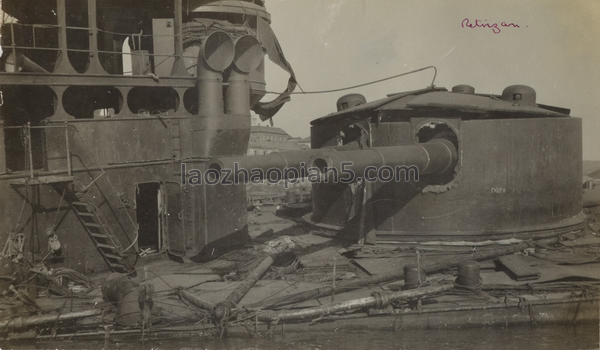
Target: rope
<point>111,186</point>
<point>72,275</point>
<point>162,279</point>
<point>290,285</point>
<point>360,85</point>
<point>58,318</point>
<point>221,326</point>
<point>13,246</point>
<point>58,209</point>
<point>22,208</point>
<point>315,277</point>
<point>418,267</point>
<point>15,241</point>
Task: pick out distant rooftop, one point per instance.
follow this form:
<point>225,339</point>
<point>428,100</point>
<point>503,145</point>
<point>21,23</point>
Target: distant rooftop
<point>268,130</point>
<point>280,146</point>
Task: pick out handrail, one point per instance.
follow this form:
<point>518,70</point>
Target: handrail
<point>100,51</point>
<point>34,46</point>
<point>27,128</point>
<point>69,167</point>
<point>30,151</point>
<point>66,125</point>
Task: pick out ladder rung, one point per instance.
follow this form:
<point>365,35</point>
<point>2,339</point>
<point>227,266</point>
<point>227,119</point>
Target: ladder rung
<point>80,203</point>
<point>98,235</point>
<point>117,265</point>
<point>91,224</point>
<point>107,246</point>
<point>80,213</point>
<point>111,256</point>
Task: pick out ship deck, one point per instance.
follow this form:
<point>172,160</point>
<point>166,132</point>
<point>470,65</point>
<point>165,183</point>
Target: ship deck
<point>555,283</point>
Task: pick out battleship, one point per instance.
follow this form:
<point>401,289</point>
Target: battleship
<point>121,124</point>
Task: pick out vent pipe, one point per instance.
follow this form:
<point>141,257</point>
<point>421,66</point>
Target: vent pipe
<point>520,95</point>
<point>234,127</point>
<point>216,54</point>
<point>349,101</point>
<point>223,125</point>
<point>248,55</point>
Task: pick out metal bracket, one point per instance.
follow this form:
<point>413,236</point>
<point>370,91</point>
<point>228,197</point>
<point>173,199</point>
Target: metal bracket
<point>86,187</point>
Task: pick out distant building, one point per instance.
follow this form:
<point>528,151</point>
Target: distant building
<point>305,143</point>
<point>265,139</point>
<point>590,183</point>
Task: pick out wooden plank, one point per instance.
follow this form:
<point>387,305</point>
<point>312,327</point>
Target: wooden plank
<point>582,241</point>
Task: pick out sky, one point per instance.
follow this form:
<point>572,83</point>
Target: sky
<point>338,43</point>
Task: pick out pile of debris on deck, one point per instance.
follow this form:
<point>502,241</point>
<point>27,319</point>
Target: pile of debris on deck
<point>305,280</point>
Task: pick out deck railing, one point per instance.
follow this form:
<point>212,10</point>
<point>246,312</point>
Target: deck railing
<point>62,46</point>
<point>25,131</point>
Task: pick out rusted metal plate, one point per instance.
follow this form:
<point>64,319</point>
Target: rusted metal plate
<point>103,142</point>
<point>517,268</point>
<point>548,270</point>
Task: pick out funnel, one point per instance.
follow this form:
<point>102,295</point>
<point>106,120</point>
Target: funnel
<point>248,53</point>
<point>217,51</point>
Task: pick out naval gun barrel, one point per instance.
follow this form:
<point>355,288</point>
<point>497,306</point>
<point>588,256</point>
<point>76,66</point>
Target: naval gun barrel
<point>275,160</point>
<point>434,157</point>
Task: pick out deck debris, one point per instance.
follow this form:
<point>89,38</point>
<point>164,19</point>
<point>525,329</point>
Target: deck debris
<point>221,310</point>
<point>21,322</point>
<point>267,284</point>
<point>378,300</point>
<point>195,301</point>
<point>133,300</point>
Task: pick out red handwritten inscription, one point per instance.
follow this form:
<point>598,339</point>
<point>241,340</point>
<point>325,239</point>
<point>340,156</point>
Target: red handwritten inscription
<point>495,27</point>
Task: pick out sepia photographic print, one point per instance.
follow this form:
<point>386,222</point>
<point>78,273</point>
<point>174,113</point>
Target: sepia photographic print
<point>299,174</point>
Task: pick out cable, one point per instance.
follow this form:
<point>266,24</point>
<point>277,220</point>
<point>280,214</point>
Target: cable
<point>162,279</point>
<point>22,209</point>
<point>86,284</point>
<point>112,187</point>
<point>58,209</point>
<point>360,85</point>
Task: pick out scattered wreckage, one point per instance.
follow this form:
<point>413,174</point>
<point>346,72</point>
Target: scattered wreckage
<point>308,282</point>
<point>455,208</point>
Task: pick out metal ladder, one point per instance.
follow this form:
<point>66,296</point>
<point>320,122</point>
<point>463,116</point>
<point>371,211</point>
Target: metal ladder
<point>97,228</point>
